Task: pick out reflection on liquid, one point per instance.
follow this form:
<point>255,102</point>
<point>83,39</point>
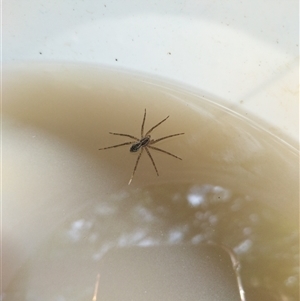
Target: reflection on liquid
<point>265,242</point>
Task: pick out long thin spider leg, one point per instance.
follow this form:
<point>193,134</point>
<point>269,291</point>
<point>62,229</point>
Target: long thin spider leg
<point>163,151</point>
<point>147,150</point>
<point>135,167</point>
<point>96,288</point>
<point>169,136</point>
<point>117,145</point>
<point>156,125</point>
<point>126,135</point>
<point>143,123</point>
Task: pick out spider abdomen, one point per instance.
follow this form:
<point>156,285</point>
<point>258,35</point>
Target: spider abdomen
<point>137,146</point>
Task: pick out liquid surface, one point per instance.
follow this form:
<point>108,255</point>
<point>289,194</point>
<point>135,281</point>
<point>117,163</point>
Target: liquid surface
<point>236,185</point>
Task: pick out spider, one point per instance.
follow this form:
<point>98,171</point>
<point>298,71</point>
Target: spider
<point>145,142</point>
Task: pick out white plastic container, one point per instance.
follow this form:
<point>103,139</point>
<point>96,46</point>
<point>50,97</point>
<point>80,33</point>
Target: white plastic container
<point>242,55</point>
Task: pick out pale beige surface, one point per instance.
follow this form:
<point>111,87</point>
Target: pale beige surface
<point>55,118</point>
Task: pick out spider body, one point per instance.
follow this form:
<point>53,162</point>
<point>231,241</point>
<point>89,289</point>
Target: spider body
<point>142,143</point>
<point>137,146</point>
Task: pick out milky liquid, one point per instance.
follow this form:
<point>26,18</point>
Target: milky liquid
<point>67,203</point>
